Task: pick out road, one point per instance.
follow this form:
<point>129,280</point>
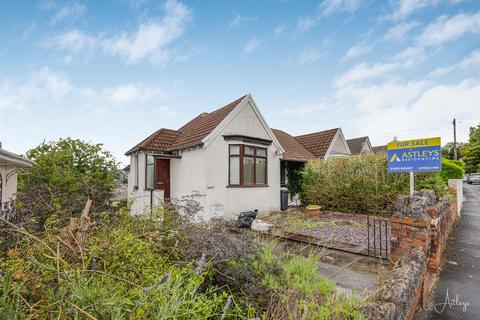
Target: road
<point>457,294</point>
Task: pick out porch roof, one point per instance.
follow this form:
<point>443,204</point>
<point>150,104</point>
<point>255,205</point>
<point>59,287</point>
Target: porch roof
<point>294,151</point>
<point>10,158</point>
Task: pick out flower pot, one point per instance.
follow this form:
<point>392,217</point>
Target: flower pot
<point>313,211</point>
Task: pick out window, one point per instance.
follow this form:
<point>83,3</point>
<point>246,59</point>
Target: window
<point>247,165</point>
<point>150,172</point>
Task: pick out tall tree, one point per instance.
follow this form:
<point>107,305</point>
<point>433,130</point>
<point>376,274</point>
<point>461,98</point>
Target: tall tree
<point>66,173</point>
<point>471,151</point>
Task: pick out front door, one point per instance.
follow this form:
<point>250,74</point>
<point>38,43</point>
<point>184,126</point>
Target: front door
<point>163,176</point>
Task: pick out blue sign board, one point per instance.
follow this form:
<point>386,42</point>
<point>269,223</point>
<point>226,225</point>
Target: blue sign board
<point>421,155</point>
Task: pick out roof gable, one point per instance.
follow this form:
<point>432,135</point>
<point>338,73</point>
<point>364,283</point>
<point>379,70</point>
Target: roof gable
<point>318,143</point>
<point>190,134</point>
<point>294,151</point>
<point>357,145</point>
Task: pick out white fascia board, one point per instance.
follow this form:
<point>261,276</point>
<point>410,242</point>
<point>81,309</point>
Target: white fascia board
<point>245,102</point>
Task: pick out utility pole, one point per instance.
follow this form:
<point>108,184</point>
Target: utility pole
<point>455,157</point>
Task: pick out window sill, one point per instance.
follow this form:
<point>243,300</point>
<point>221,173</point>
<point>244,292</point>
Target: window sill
<point>249,186</point>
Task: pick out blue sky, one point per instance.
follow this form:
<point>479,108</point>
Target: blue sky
<point>115,71</point>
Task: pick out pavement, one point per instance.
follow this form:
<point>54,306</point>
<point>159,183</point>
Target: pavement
<point>457,292</point>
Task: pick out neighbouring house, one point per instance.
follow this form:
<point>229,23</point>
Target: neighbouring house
<point>360,145</point>
<point>230,157</point>
<point>9,165</point>
<point>325,144</point>
<point>379,149</point>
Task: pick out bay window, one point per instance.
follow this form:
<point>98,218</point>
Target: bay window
<point>247,166</point>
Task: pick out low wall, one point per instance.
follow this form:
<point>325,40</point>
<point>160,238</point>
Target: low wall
<point>401,291</point>
<point>419,232</point>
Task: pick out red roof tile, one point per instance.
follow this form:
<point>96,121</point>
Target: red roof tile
<point>317,143</point>
<point>294,151</point>
<point>189,135</point>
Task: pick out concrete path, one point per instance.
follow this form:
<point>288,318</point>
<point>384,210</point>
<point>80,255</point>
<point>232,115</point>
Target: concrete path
<point>457,295</point>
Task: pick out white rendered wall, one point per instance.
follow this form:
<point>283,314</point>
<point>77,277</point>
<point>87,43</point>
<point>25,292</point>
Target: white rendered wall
<point>9,188</point>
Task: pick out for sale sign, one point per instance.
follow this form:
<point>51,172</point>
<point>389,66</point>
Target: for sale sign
<point>420,155</point>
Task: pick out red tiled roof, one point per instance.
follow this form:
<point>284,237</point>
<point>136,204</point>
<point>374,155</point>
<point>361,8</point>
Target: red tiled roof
<point>294,151</point>
<point>317,143</point>
<point>194,131</point>
<point>189,135</point>
<point>356,144</point>
<point>160,140</point>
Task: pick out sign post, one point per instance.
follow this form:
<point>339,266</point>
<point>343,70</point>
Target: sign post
<point>420,155</point>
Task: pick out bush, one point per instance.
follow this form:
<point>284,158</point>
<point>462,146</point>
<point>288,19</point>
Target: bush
<point>360,184</point>
<point>451,170</point>
<point>66,172</point>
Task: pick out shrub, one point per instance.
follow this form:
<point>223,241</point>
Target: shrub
<point>360,183</point>
<point>451,170</point>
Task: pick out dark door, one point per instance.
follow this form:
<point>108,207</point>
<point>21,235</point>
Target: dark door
<point>163,176</point>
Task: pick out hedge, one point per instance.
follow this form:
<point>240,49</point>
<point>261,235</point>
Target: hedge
<point>451,170</point>
<point>360,183</point>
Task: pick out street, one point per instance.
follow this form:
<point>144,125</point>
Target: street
<point>457,293</point>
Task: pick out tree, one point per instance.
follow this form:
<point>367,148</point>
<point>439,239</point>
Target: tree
<point>448,151</point>
<point>471,151</point>
<point>66,173</point>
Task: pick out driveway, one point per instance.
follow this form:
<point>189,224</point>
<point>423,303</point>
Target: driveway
<point>457,295</point>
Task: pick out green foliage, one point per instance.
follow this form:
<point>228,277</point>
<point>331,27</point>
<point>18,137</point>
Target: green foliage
<point>451,170</point>
<point>66,173</point>
<point>471,151</point>
<point>124,272</point>
<point>360,183</point>
<point>449,153</point>
<point>295,176</point>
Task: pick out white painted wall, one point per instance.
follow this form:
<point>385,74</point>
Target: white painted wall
<point>457,184</point>
<point>140,197</point>
<point>9,188</point>
<point>339,148</point>
<point>205,170</point>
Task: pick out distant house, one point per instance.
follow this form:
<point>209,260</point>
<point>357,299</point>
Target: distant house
<point>230,156</point>
<point>379,149</point>
<point>325,144</point>
<point>9,164</point>
<point>360,145</point>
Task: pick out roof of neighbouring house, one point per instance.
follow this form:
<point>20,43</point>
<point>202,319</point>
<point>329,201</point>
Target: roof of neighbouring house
<point>356,144</point>
<point>14,159</point>
<point>189,135</point>
<point>294,151</point>
<point>318,143</point>
<point>377,149</point>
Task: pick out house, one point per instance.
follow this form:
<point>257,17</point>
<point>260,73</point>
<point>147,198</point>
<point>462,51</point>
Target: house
<point>360,145</point>
<point>325,144</point>
<point>9,164</point>
<point>229,157</point>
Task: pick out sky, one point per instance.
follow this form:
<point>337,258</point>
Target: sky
<point>115,71</point>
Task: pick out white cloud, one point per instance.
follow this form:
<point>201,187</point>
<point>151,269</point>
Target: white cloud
<point>399,31</point>
<point>468,62</point>
<point>449,28</point>
<point>252,45</point>
<point>309,56</point>
<point>364,71</point>
<point>238,20</point>
<point>410,56</point>
<point>52,89</point>
<point>65,10</point>
<point>27,32</point>
<point>356,51</point>
<point>329,7</point>
<point>411,109</point>
<point>151,41</point>
<point>405,8</point>
<point>152,37</point>
<point>42,85</point>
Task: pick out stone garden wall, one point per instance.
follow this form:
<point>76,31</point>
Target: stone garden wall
<point>419,231</point>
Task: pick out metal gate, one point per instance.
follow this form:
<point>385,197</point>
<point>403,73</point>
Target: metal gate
<point>378,236</point>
